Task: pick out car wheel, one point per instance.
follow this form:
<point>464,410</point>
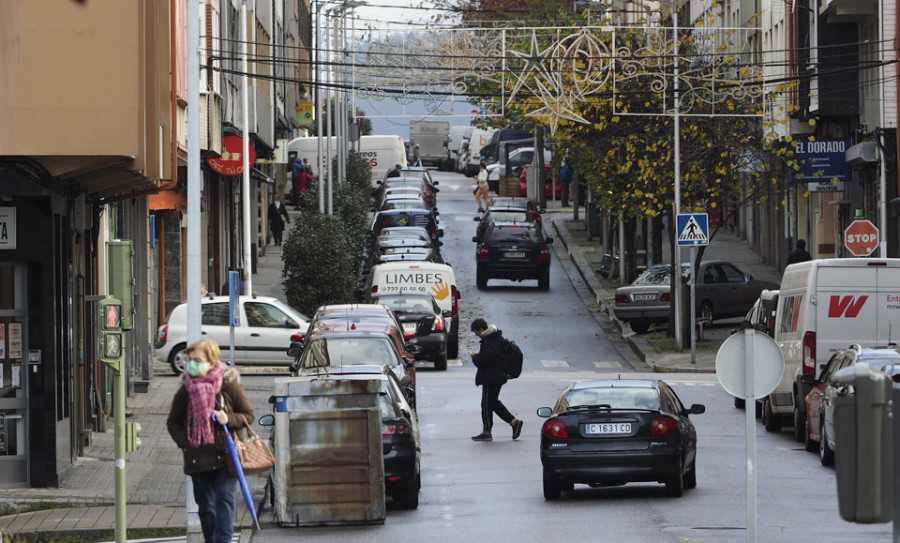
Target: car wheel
<point>178,359</point>
<point>675,484</point>
<point>770,420</point>
<point>740,403</point>
<point>440,363</point>
<point>544,281</point>
<point>808,443</point>
<point>639,327</point>
<point>799,423</point>
<point>453,339</point>
<point>408,496</point>
<point>826,454</point>
<point>552,488</point>
<point>706,312</point>
<point>690,478</point>
<point>481,279</point>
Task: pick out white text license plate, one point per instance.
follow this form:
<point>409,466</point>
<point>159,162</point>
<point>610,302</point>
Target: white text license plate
<point>515,255</point>
<point>409,327</point>
<point>609,428</point>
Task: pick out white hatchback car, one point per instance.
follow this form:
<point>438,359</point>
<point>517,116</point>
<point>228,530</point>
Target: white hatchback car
<point>261,338</point>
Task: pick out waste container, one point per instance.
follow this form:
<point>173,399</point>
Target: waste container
<point>509,185</point>
<point>329,466</point>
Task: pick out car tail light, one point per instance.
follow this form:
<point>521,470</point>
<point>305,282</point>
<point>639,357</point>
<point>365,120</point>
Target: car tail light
<point>439,325</point>
<point>399,429</point>
<point>809,353</point>
<point>662,426</point>
<point>665,297</point>
<point>297,337</point>
<point>164,332</point>
<point>455,296</point>
<point>409,335</point>
<point>622,299</point>
<point>483,251</point>
<point>545,253</point>
<point>374,289</point>
<point>555,428</point>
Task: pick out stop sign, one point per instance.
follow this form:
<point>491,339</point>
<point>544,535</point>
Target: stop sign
<point>861,238</point>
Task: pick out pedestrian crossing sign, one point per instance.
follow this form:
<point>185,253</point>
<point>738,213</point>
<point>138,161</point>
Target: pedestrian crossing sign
<point>692,229</point>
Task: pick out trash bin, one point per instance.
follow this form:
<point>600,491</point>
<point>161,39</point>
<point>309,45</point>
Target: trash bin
<point>329,466</point>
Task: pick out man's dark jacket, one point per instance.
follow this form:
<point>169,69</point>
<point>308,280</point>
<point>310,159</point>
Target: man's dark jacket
<point>489,359</point>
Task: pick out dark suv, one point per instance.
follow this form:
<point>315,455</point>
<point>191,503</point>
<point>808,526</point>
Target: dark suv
<point>514,251</point>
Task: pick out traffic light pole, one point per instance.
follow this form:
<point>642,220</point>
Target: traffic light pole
<point>119,425</point>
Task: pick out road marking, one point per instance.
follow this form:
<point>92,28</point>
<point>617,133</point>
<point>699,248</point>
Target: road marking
<point>608,365</point>
<point>555,363</point>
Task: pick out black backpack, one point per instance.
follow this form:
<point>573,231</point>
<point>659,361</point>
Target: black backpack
<point>513,358</point>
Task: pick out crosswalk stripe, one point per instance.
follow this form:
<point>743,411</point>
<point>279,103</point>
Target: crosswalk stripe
<point>608,365</point>
<point>555,363</point>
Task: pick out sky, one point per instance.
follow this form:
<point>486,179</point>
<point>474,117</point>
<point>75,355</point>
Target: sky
<point>396,16</point>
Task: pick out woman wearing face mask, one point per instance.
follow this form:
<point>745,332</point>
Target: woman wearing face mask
<point>209,386</point>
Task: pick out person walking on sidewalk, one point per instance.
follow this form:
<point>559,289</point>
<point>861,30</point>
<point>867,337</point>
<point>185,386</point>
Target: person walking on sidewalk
<point>483,188</point>
<point>491,376</point>
<point>800,254</point>
<point>278,216</point>
<point>209,386</point>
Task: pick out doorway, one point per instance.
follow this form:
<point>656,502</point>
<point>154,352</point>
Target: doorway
<point>14,372</point>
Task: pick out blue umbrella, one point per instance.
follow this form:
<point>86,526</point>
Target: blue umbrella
<point>239,472</point>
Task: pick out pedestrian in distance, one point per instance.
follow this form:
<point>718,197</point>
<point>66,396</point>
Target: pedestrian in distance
<point>800,254</point>
<point>393,172</point>
<point>482,190</point>
<point>417,158</point>
<point>209,386</point>
<point>278,216</point>
<point>565,178</point>
<point>491,376</point>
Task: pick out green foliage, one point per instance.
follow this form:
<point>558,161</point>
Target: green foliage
<point>322,252</point>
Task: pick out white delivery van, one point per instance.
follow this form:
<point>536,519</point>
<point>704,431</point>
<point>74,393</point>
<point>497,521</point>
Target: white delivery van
<point>457,135</point>
<point>381,152</point>
<point>478,139</point>
<point>439,280</point>
<point>825,305</point>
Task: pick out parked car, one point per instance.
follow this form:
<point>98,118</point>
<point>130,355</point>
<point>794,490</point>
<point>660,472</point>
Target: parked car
<point>396,245</point>
<point>400,440</point>
<point>335,346</point>
<point>516,202</point>
<point>760,317</point>
<point>416,182</point>
<point>500,214</point>
<point>407,217</point>
<point>515,251</point>
<point>722,291</point>
<point>612,432</point>
<point>404,203</point>
<point>818,430</point>
<point>411,308</point>
<point>265,326</point>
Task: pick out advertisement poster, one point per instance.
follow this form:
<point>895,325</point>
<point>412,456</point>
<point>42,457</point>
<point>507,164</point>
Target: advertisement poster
<point>15,340</point>
<point>2,340</point>
<point>16,376</point>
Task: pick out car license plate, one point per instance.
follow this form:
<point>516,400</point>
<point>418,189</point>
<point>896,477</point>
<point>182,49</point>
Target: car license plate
<point>409,327</point>
<point>515,255</point>
<point>608,428</point>
<point>644,297</point>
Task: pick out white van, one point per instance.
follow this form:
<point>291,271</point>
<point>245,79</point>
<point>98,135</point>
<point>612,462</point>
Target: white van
<point>457,135</point>
<point>825,305</point>
<point>382,153</point>
<point>478,139</point>
<point>439,280</point>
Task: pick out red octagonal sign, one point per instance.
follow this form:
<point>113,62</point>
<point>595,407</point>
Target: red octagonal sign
<point>861,238</point>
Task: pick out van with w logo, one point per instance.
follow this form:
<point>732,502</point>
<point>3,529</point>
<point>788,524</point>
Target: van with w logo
<point>824,306</point>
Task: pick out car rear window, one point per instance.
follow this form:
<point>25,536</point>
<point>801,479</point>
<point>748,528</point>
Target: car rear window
<point>412,304</point>
<point>515,233</point>
<point>346,351</point>
<point>614,397</point>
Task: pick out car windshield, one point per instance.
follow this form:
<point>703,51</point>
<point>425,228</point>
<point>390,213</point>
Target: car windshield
<point>408,304</point>
<point>344,351</point>
<point>515,233</point>
<point>612,398</point>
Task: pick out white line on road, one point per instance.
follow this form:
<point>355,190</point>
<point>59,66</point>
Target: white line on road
<point>555,363</point>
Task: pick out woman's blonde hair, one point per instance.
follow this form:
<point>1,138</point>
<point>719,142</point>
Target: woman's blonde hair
<point>208,347</point>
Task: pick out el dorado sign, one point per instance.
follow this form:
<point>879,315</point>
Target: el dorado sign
<point>231,162</point>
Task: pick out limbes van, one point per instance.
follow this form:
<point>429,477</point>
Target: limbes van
<point>826,305</point>
<point>439,280</point>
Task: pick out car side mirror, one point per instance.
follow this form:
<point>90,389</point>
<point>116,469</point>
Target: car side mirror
<point>548,240</point>
<point>447,314</point>
<point>476,218</point>
<point>294,350</point>
<point>544,412</point>
<point>436,183</point>
<point>475,239</point>
<point>436,213</point>
<point>697,409</point>
<point>266,420</point>
<point>379,182</point>
<point>440,232</point>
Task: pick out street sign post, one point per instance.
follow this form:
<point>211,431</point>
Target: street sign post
<point>861,238</point>
<point>692,230</point>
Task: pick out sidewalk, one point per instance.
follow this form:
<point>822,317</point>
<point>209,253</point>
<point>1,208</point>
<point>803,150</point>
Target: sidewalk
<point>84,503</point>
<point>654,349</point>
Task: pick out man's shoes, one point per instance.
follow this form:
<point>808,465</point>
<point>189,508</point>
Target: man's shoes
<point>517,429</point>
<point>483,436</point>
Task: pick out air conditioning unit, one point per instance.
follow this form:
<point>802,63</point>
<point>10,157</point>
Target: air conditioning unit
<point>862,154</point>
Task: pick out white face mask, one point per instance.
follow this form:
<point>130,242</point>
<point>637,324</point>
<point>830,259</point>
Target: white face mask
<point>197,368</point>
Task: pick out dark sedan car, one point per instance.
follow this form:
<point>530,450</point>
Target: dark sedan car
<point>500,214</point>
<point>514,251</point>
<point>612,432</point>
<point>722,291</point>
<point>411,308</point>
